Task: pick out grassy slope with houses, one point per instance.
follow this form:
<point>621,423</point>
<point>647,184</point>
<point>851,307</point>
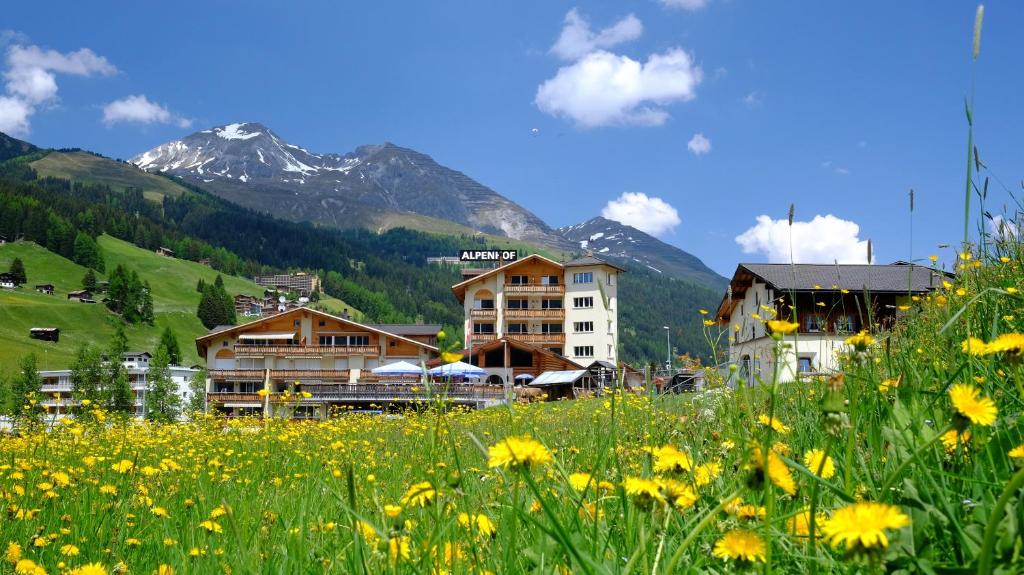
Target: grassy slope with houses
<point>174,296</point>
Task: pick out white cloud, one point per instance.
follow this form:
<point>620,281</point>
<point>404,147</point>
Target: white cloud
<point>752,100</point>
<point>578,40</point>
<point>139,109</point>
<point>699,144</point>
<point>691,5</point>
<point>31,80</point>
<point>652,215</point>
<point>1003,228</point>
<point>823,240</point>
<point>605,89</point>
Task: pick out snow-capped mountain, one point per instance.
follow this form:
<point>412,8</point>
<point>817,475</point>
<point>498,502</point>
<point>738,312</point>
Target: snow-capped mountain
<point>249,164</point>
<point>617,241</point>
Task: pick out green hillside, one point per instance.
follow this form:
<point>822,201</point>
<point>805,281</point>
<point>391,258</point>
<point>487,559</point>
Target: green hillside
<point>174,296</point>
<point>86,167</point>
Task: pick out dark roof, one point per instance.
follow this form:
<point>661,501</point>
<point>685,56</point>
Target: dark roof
<point>407,328</point>
<point>853,277</point>
<point>589,260</point>
<point>221,327</point>
<point>136,354</point>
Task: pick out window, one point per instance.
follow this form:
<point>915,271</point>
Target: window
<point>483,328</point>
<point>551,328</point>
<point>583,351</point>
<point>517,328</point>
<point>583,278</point>
<point>583,326</point>
<point>296,323</point>
<point>344,340</point>
<point>805,364</point>
<point>551,304</point>
<point>483,304</point>
<point>814,322</point>
<point>583,302</point>
<point>250,386</point>
<point>322,323</point>
<point>555,350</point>
<point>611,278</point>
<point>549,280</point>
<point>518,304</point>
<point>845,324</point>
<point>519,280</point>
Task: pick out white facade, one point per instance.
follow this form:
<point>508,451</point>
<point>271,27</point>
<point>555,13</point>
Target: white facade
<point>570,309</point>
<point>57,388</point>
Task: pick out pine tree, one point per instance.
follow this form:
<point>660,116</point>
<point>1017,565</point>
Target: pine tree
<point>197,391</point>
<point>200,285</point>
<point>25,384</point>
<point>89,281</point>
<point>87,252</point>
<point>169,342</point>
<point>219,282</point>
<point>162,401</point>
<point>118,386</point>
<point>18,271</point>
<point>87,374</point>
<point>209,311</point>
<point>146,308</point>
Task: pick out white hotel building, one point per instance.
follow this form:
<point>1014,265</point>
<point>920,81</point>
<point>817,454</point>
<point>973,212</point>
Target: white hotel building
<point>570,309</point>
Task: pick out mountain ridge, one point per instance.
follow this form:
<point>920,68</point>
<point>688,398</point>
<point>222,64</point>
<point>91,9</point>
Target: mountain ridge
<point>249,164</point>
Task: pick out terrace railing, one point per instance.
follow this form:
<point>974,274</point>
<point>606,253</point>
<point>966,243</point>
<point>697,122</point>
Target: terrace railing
<point>304,350</point>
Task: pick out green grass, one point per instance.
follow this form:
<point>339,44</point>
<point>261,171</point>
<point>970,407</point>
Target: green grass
<point>175,300</point>
<point>85,167</point>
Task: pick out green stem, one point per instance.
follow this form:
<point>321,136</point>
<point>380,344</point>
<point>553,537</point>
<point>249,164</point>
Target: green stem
<point>812,553</point>
<point>989,542</point>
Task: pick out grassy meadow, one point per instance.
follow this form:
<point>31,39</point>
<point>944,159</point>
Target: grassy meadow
<point>910,461</point>
<point>174,298</point>
<point>86,167</point>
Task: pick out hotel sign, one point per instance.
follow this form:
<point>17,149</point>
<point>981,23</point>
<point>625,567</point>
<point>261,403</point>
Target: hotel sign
<point>488,255</point>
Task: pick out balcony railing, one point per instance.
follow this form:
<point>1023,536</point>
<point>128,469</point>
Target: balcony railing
<point>304,350</point>
<point>221,397</point>
<point>515,313</point>
<point>484,336</point>
<point>387,392</point>
<point>534,288</point>
<point>483,313</point>
<point>543,338</point>
<point>236,374</point>
<point>318,374</point>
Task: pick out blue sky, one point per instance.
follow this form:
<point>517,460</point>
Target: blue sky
<point>838,108</point>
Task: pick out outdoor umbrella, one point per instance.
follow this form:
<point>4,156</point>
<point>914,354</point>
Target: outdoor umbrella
<point>524,377</point>
<point>458,369</point>
<point>398,368</point>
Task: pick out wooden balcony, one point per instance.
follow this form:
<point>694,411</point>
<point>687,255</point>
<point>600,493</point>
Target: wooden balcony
<point>538,338</point>
<point>483,314</point>
<point>535,313</point>
<point>304,350</point>
<point>237,374</point>
<point>215,397</point>
<point>403,391</point>
<point>479,337</point>
<point>534,289</point>
<point>315,374</point>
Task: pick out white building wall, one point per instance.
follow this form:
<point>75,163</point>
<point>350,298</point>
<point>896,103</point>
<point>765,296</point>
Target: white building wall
<point>604,315</point>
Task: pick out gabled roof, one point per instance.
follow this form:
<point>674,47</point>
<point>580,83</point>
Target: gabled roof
<point>408,328</point>
<point>891,278</point>
<point>590,260</point>
<point>221,330</point>
<point>460,288</point>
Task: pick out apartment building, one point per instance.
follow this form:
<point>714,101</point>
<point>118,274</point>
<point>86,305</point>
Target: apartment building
<point>305,363</point>
<point>300,283</point>
<point>57,388</point>
<point>570,308</point>
<point>829,302</point>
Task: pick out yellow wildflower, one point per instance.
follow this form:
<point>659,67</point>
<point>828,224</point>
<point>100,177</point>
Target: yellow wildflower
<point>863,525</point>
<point>813,462</point>
<point>667,459</point>
<point>516,451</point>
<point>970,404</point>
<point>419,495</point>
<point>740,545</point>
<point>776,425</point>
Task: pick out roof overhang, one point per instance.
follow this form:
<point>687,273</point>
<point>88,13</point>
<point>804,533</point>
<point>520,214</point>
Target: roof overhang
<point>459,289</point>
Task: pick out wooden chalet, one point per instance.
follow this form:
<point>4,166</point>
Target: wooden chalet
<point>45,333</point>
<point>45,288</point>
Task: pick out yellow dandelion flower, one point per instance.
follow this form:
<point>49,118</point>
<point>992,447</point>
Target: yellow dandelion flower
<point>860,341</point>
<point>643,491</point>
<point>953,440</point>
<point>211,526</point>
<point>159,512</point>
<point>800,524</point>
<point>1017,452</point>
<point>90,569</point>
<point>974,346</point>
<point>1006,343</point>
<point>13,553</point>
<point>889,384</point>
<point>782,326</point>
<point>776,425</point>
<point>706,473</point>
<point>815,459</point>
<point>485,526</point>
<point>165,569</point>
<point>392,511</point>
<point>419,495</point>
<point>667,459</point>
<point>970,404</point>
<point>399,547</point>
<point>518,451</point>
<point>740,545</point>
<point>368,533</point>
<point>450,357</point>
<point>580,481</point>
<point>123,466</point>
<point>69,550</point>
<point>679,494</point>
<point>28,567</point>
<point>863,525</point>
